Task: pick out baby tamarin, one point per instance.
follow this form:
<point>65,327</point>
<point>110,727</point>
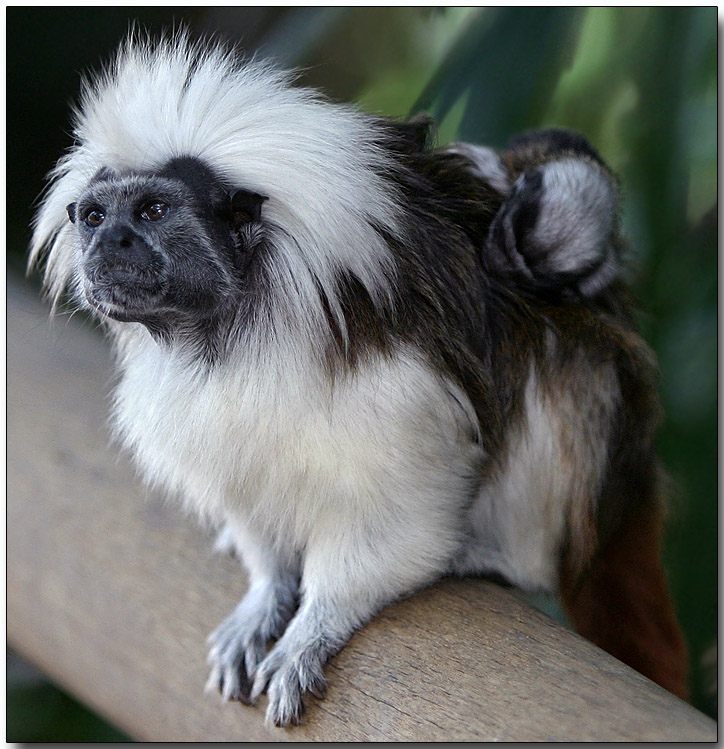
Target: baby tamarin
<point>371,361</point>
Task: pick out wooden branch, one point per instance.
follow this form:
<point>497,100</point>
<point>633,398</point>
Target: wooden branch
<point>113,593</point>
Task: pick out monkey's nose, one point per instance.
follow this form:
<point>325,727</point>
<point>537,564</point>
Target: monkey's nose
<point>122,247</point>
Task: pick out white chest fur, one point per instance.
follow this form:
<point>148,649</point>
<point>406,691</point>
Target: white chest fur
<point>282,446</point>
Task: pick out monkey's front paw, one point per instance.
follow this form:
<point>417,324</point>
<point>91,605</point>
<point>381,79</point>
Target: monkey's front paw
<point>235,652</point>
<point>240,643</point>
<point>287,677</point>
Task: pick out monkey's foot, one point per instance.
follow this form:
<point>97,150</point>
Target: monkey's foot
<point>240,642</point>
<point>235,652</point>
<point>287,675</point>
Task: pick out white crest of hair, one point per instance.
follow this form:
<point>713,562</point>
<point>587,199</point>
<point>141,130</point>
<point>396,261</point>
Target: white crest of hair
<point>318,162</point>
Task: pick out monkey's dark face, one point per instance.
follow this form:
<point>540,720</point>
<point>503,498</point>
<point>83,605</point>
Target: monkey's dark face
<point>165,247</point>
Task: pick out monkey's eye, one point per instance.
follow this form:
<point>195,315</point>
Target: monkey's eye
<point>95,217</point>
<point>154,211</point>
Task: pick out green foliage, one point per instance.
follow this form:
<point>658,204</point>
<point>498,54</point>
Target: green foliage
<point>507,64</point>
<point>60,716</point>
<point>39,712</point>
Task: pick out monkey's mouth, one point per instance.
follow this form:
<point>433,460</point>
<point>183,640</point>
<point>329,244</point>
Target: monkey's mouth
<point>124,294</point>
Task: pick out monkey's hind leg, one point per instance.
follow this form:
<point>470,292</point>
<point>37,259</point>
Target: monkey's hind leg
<point>622,601</point>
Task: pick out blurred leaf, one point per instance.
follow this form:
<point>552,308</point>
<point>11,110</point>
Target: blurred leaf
<point>36,711</point>
<point>508,63</point>
<point>300,32</point>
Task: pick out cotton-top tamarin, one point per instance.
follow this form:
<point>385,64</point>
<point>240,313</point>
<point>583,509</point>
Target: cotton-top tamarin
<point>369,361</point>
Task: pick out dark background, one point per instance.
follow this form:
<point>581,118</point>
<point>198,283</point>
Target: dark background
<point>641,83</point>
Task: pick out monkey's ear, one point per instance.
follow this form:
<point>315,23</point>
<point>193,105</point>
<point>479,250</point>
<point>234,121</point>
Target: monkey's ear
<point>245,207</point>
<point>71,208</point>
<point>412,136</point>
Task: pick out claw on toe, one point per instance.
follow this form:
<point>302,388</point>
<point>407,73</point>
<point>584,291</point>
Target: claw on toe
<point>212,683</point>
<point>260,683</point>
<point>318,690</point>
<point>231,687</point>
<point>280,718</point>
<point>242,693</point>
<point>245,699</point>
<point>292,720</point>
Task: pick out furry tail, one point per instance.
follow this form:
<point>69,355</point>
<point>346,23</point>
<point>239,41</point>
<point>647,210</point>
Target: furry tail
<point>622,602</point>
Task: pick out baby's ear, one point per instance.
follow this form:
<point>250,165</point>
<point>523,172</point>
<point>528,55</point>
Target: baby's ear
<point>556,229</point>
